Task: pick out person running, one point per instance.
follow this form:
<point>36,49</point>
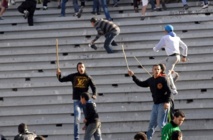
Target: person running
<point>171,43</point>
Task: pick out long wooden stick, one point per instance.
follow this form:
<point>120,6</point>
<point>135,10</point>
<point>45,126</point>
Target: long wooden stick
<point>125,57</point>
<point>142,66</point>
<point>57,57</point>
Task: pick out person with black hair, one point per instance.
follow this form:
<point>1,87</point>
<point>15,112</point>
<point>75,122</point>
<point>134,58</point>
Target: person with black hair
<point>81,82</point>
<point>140,136</point>
<point>171,42</point>
<point>107,28</point>
<point>177,135</point>
<point>161,95</point>
<point>2,137</point>
<point>24,133</point>
<point>92,121</point>
<point>172,126</point>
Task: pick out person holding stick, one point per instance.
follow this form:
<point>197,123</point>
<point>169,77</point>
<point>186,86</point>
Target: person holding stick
<point>81,82</point>
<point>107,28</point>
<point>161,95</point>
<point>171,43</point>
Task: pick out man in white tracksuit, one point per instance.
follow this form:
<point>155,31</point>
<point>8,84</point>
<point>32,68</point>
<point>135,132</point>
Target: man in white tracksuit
<point>171,43</point>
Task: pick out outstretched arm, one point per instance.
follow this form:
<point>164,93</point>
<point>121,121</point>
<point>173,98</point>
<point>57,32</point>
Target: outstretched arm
<point>137,81</point>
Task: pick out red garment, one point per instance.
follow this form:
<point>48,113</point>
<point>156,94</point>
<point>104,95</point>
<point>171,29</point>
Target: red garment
<point>4,4</point>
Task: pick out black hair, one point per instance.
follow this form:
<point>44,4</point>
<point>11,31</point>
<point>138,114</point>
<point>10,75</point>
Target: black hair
<point>175,135</point>
<point>178,113</point>
<point>85,95</point>
<point>79,63</point>
<point>39,138</point>
<point>140,136</point>
<point>93,20</point>
<point>22,128</point>
<point>163,68</point>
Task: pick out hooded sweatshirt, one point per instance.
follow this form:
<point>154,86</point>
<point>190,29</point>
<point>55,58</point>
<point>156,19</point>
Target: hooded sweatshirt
<point>80,83</point>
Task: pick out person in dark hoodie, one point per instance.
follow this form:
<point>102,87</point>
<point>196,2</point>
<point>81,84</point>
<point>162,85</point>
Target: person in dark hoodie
<point>161,95</point>
<point>28,8</point>
<point>81,82</point>
<point>92,121</point>
<point>24,133</point>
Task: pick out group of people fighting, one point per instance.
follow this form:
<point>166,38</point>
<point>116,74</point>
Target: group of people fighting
<point>161,85</point>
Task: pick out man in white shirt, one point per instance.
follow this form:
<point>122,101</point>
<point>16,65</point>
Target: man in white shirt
<point>171,43</point>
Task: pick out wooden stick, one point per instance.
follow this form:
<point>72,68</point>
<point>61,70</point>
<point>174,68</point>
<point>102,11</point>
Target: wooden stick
<point>57,57</point>
<point>125,57</point>
<point>142,66</point>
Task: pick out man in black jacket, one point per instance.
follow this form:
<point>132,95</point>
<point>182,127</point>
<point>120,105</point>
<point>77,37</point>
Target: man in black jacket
<point>92,122</point>
<point>107,28</point>
<point>161,95</point>
<point>80,83</point>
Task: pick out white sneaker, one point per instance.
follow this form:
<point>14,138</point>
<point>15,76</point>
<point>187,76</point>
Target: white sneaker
<point>205,6</point>
<point>174,91</point>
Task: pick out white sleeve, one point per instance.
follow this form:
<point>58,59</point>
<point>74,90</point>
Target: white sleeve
<point>160,44</point>
<point>184,47</point>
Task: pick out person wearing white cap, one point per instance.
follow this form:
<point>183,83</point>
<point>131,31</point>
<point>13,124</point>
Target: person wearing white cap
<point>171,43</point>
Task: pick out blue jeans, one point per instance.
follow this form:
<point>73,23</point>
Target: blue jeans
<point>77,117</point>
<point>184,2</point>
<point>158,118</point>
<point>93,129</point>
<point>109,38</point>
<point>75,4</point>
<point>96,6</point>
<point>152,2</point>
<point>105,9</point>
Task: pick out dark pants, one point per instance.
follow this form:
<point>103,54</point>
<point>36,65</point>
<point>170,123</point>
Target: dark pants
<point>30,6</point>
<point>45,2</point>
<point>110,39</point>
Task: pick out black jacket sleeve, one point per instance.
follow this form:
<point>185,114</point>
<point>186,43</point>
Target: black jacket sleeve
<point>90,111</point>
<point>140,83</point>
<point>93,86</point>
<point>168,90</point>
<point>65,78</point>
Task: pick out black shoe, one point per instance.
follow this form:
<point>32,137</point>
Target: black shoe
<point>115,5</point>
<point>185,7</point>
<point>26,14</point>
<point>59,7</point>
<point>45,7</point>
<point>136,9</point>
<point>98,13</point>
<point>93,46</point>
<point>114,43</point>
<point>164,6</point>
<point>143,17</point>
<point>93,13</point>
<point>158,9</point>
<point>80,12</point>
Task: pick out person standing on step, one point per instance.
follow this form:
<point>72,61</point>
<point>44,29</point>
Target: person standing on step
<point>161,95</point>
<point>171,43</point>
<point>81,82</point>
<point>107,28</point>
<point>77,9</point>
<point>172,126</point>
<point>92,122</point>
<point>28,8</point>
